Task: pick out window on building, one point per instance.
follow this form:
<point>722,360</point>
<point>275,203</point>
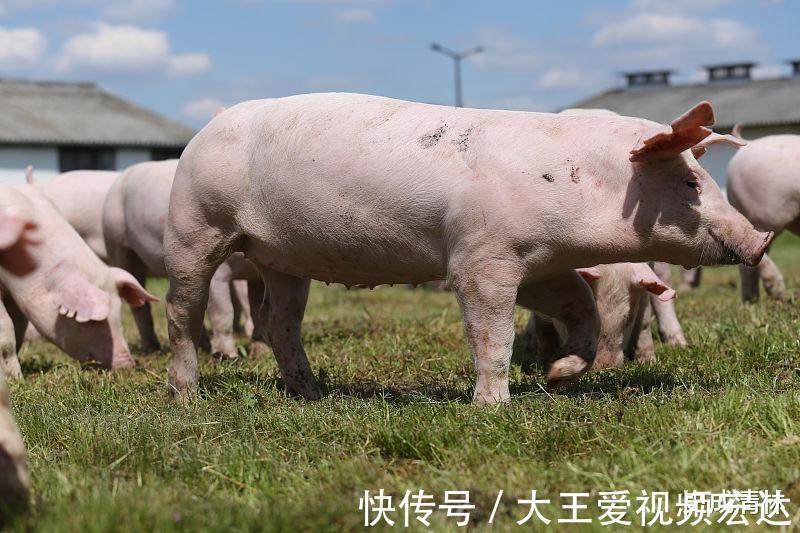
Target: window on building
<point>86,158</point>
<point>160,154</point>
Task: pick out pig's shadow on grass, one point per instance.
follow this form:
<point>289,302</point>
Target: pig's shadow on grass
<point>36,365</point>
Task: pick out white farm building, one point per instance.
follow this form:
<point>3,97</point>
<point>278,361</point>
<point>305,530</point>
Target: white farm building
<point>61,126</point>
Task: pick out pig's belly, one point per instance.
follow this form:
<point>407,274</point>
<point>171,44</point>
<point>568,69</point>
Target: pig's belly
<point>368,261</point>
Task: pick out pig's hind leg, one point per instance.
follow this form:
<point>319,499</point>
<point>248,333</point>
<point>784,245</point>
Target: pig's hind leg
<point>192,256</point>
<point>566,298</point>
<point>283,317</point>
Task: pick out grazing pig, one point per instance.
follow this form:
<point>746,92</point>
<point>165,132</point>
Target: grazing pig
<point>79,196</point>
<point>134,216</point>
<point>622,292</point>
<point>365,190</point>
<point>763,185</point>
<point>71,297</point>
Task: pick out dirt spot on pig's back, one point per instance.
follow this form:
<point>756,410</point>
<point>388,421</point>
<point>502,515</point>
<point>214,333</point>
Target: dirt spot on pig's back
<point>432,138</point>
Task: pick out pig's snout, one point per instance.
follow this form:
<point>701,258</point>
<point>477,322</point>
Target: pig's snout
<point>753,256</point>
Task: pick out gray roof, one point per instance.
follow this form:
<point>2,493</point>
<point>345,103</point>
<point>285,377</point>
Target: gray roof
<point>42,112</point>
<point>752,102</point>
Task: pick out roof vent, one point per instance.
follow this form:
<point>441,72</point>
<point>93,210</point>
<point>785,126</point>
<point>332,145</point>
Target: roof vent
<point>795,63</point>
<point>648,78</point>
<point>729,72</point>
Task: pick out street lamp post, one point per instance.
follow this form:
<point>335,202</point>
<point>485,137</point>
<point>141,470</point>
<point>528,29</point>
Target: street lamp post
<point>456,57</point>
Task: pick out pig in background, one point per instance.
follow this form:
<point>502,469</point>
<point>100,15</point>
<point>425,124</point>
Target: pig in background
<point>16,257</point>
<point>366,190</point>
<point>763,186</point>
<point>134,216</point>
<point>71,296</point>
<point>625,293</point>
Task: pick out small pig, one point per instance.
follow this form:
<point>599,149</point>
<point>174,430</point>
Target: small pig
<point>71,297</point>
<point>15,256</point>
<point>622,292</point>
<point>364,190</point>
<point>763,185</point>
<point>79,196</point>
<point>134,215</point>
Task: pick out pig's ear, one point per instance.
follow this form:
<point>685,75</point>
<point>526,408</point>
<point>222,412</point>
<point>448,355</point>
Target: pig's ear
<point>129,289</point>
<point>737,130</point>
<point>644,277</point>
<point>79,299</point>
<point>700,148</point>
<point>589,274</point>
<point>683,133</point>
<point>29,174</point>
<point>12,229</point>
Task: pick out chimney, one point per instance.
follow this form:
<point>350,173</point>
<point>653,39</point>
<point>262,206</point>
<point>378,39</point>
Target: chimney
<point>729,72</point>
<point>795,63</point>
<point>648,78</point>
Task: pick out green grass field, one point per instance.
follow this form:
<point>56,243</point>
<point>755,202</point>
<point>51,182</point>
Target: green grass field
<point>113,452</point>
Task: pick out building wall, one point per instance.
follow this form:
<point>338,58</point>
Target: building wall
<point>14,159</point>
<point>44,159</point>
<point>130,156</point>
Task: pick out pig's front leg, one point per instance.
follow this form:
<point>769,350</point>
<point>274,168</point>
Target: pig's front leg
<point>567,298</point>
<point>669,328</point>
<point>220,314</point>
<point>9,363</point>
<point>690,278</point>
<point>772,278</point>
<point>487,302</point>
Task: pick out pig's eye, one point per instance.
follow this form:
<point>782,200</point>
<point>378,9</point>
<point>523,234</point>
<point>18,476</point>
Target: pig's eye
<point>692,184</point>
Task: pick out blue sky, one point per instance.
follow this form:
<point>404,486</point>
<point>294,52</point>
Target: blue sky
<point>184,58</point>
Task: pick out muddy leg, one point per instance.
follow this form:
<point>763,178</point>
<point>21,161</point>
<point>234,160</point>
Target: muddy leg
<point>567,298</point>
<point>750,287</point>
<point>287,304</point>
<point>259,310</point>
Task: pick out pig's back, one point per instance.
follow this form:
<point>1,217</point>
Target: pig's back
<point>79,196</point>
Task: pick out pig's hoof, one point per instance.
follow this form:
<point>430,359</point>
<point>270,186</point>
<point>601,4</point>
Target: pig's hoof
<point>487,400</point>
<point>183,390</point>
<point>258,348</point>
<point>310,391</point>
<point>676,340</point>
<point>566,370</point>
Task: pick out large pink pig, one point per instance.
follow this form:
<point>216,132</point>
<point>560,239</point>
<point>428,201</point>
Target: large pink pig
<point>71,297</point>
<point>367,190</point>
<point>134,216</point>
<point>763,185</point>
<point>15,256</point>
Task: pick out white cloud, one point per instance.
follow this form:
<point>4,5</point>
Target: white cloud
<point>357,14</point>
<point>504,51</point>
<point>658,39</point>
<point>566,78</point>
<point>658,28</point>
<point>126,50</point>
<point>120,10</point>
<point>678,6</point>
<point>202,109</point>
<point>21,46</point>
